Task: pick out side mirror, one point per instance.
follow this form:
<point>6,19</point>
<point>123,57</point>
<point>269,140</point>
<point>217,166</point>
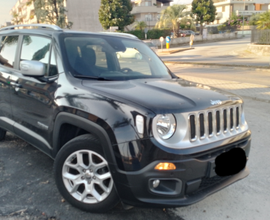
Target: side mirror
<point>32,68</point>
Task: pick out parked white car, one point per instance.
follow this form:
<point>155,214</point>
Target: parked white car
<point>130,53</point>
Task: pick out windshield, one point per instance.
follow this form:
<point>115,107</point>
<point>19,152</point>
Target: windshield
<point>112,58</point>
<point>149,44</point>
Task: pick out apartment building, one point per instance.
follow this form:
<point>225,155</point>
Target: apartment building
<point>83,14</point>
<point>148,11</point>
<point>245,8</point>
<point>23,12</point>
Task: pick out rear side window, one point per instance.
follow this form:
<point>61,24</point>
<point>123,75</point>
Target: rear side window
<point>8,50</point>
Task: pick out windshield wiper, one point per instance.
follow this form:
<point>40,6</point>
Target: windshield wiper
<point>93,77</point>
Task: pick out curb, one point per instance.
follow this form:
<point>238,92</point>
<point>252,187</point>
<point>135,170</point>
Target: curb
<point>171,51</point>
<point>257,68</point>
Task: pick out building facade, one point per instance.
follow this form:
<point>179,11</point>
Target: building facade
<point>84,15</point>
<point>245,8</point>
<point>23,12</point>
<point>148,11</point>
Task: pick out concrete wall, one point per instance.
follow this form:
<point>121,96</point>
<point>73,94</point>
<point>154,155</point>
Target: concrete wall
<point>84,15</point>
<point>263,50</point>
<point>198,38</point>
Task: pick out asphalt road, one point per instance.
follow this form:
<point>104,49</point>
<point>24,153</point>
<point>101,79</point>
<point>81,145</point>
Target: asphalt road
<point>243,75</point>
<point>232,52</point>
<point>28,190</point>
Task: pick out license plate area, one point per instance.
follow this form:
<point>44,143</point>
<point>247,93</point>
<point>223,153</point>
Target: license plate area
<point>228,163</point>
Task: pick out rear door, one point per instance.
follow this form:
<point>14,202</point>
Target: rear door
<point>9,49</point>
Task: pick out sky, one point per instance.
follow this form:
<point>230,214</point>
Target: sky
<point>6,6</point>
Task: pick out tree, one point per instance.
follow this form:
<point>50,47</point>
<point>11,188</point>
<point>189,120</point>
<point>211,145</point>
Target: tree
<point>51,12</point>
<point>204,11</point>
<point>140,25</point>
<point>187,23</point>
<point>264,21</point>
<point>170,17</point>
<point>234,22</point>
<point>115,13</point>
<point>253,19</point>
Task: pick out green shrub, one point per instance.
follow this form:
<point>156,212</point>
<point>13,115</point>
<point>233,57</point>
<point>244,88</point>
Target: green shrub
<point>138,33</point>
<point>151,34</point>
<point>157,33</point>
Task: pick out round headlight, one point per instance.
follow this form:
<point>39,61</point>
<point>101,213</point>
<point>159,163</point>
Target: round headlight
<point>165,126</point>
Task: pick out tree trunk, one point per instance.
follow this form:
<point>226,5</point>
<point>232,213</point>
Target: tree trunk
<point>201,28</point>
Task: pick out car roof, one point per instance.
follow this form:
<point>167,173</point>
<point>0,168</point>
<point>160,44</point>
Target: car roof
<point>47,29</point>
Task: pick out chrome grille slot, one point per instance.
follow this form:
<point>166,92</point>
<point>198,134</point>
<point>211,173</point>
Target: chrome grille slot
<point>215,122</point>
<point>210,124</point>
<point>231,118</point>
<point>225,120</point>
<point>237,118</point>
<point>218,122</point>
<point>192,127</point>
<point>202,129</point>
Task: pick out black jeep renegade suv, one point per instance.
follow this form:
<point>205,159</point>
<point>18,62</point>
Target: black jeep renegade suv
<point>119,125</point>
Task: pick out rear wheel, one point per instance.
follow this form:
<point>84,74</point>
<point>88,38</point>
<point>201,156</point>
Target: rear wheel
<point>2,134</point>
<point>83,177</point>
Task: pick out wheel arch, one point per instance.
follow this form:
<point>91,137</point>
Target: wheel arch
<point>87,126</point>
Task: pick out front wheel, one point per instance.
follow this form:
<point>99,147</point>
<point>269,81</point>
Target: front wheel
<point>83,177</point>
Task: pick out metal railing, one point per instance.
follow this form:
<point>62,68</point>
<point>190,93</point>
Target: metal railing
<point>260,36</point>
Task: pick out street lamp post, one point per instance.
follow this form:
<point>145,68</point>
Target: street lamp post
<point>148,21</point>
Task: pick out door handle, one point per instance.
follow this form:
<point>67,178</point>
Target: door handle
<point>16,84</point>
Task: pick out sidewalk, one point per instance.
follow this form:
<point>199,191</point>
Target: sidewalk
<point>231,53</point>
<point>246,90</point>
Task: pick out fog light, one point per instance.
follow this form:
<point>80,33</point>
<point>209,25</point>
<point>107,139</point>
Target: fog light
<point>156,183</point>
<point>165,166</point>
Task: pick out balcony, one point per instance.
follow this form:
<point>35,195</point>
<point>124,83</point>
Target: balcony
<point>226,2</point>
<point>242,1</point>
<point>147,9</point>
<point>165,1</point>
<point>247,13</point>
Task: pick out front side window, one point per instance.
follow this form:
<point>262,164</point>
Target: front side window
<point>8,50</point>
<point>36,48</point>
<point>113,58</point>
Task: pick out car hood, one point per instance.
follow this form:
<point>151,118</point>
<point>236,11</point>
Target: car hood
<point>163,95</point>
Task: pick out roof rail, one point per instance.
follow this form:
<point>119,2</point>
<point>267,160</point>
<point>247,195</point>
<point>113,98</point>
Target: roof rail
<point>46,26</point>
<point>121,34</point>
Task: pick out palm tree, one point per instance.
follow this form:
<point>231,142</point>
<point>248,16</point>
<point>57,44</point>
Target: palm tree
<point>264,21</point>
<point>170,17</point>
<point>140,25</point>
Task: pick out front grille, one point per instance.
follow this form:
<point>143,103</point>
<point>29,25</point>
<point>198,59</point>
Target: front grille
<point>213,122</point>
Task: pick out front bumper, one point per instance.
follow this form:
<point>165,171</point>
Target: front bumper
<point>192,181</point>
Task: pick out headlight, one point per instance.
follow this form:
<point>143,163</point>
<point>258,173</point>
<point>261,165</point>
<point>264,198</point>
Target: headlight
<point>165,126</point>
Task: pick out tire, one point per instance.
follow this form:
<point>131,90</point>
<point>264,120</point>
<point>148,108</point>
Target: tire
<point>83,177</point>
<point>2,134</point>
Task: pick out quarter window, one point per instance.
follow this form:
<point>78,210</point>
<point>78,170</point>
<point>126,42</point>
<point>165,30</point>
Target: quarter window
<point>8,51</point>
